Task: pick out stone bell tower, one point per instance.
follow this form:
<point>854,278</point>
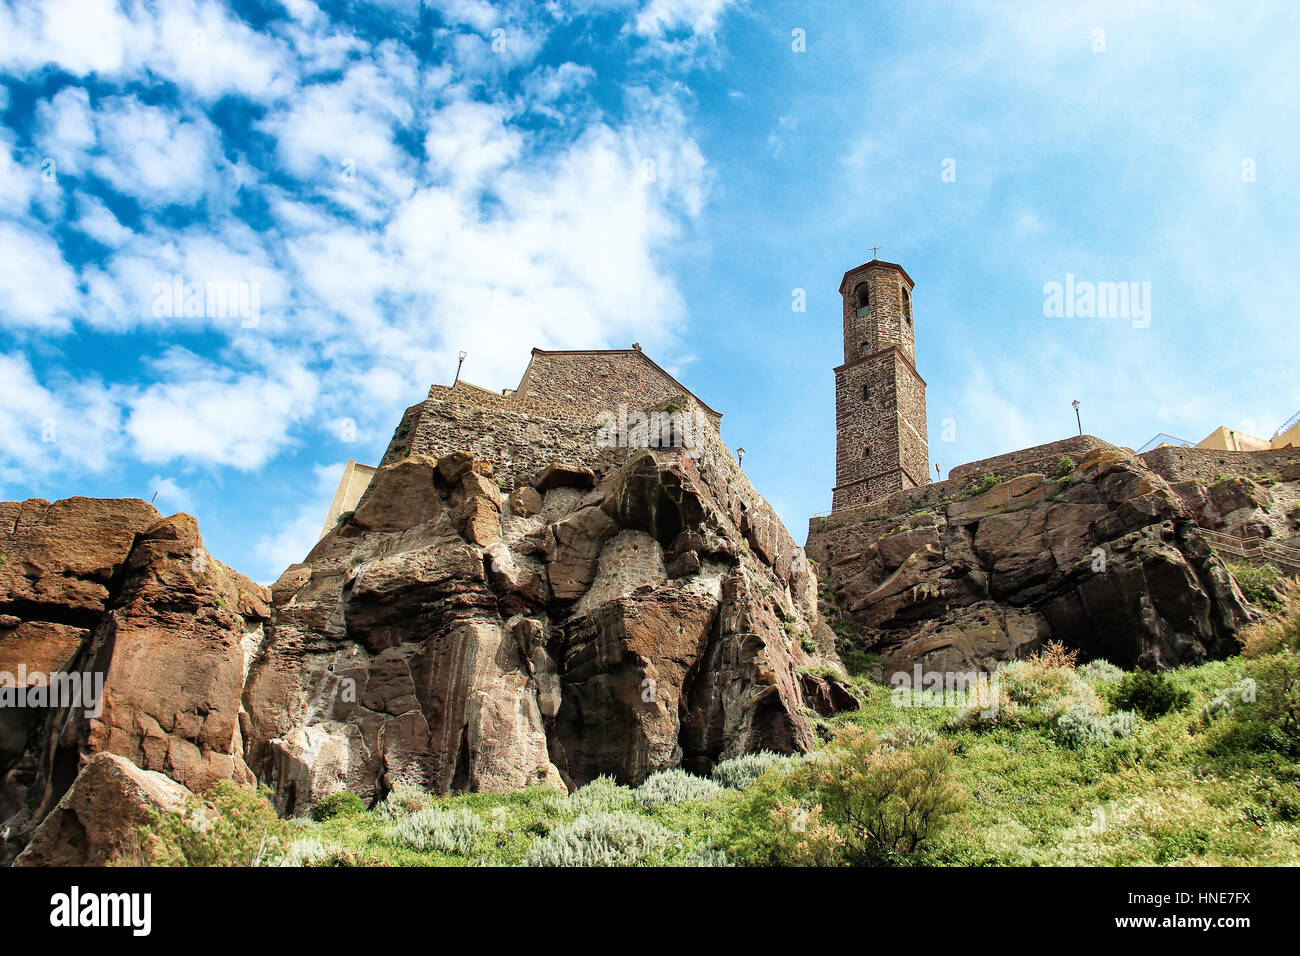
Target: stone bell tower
<point>880,435</point>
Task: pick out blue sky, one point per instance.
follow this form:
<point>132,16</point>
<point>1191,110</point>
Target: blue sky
<point>399,181</point>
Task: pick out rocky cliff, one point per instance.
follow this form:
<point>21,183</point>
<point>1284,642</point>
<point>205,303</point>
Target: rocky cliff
<point>463,629</point>
<point>1104,557</point>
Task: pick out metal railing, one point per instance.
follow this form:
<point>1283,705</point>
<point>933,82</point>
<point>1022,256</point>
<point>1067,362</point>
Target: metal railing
<point>1255,549</point>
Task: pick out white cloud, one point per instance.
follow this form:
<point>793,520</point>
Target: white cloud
<point>38,290</point>
<point>156,155</point>
<point>206,414</point>
<point>199,46</point>
<point>66,129</point>
<point>65,424</point>
<point>98,222</point>
<point>169,496</point>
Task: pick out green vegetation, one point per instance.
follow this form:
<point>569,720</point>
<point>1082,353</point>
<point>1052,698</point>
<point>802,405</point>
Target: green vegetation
<point>1259,583</point>
<point>337,804</point>
<point>344,519</point>
<point>1065,466</point>
<point>986,483</point>
<point>1151,695</point>
<point>1076,765</point>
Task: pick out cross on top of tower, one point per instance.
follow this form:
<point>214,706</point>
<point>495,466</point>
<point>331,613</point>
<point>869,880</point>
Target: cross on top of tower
<point>874,250</point>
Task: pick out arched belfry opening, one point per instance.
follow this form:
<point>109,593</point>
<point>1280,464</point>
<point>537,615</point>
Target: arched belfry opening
<point>862,296</point>
<point>907,306</point>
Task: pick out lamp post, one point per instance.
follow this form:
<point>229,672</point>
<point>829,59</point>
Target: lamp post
<point>458,365</point>
<point>740,457</point>
<point>1077,419</point>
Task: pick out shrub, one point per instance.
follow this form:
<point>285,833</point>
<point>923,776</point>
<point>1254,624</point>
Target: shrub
<point>739,772</point>
<point>1260,583</point>
<point>344,519</point>
<point>885,801</point>
<point>1150,694</point>
<point>1276,632</point>
<point>1080,728</point>
<point>674,787</point>
<point>986,483</point>
<point>403,799</point>
<point>442,831</point>
<point>1034,692</point>
<point>602,794</point>
<point>1272,720</point>
<point>602,839</point>
<point>343,803</point>
<point>1065,465</point>
<point>308,851</point>
<point>239,827</point>
<point>1101,672</point>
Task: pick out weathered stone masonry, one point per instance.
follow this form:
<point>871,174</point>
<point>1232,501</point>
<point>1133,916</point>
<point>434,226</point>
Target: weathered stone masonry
<point>880,427</point>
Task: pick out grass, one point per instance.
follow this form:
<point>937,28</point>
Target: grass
<point>1161,796</point>
<point>1197,783</point>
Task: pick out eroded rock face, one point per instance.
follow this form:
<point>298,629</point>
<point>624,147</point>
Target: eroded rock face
<point>155,631</point>
<point>1109,562</point>
<point>547,648</point>
<point>95,820</point>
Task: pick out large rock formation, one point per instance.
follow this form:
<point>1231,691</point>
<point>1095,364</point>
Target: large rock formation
<point>1106,559</point>
<point>467,630</point>
<point>156,632</point>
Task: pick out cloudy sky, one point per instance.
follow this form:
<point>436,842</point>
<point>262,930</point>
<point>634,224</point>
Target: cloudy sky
<point>389,183</point>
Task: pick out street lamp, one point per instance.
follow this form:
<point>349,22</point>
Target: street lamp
<point>1077,419</point>
<point>458,365</point>
<point>740,456</point>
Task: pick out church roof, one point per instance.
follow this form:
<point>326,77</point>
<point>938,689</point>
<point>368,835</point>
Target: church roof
<point>877,262</point>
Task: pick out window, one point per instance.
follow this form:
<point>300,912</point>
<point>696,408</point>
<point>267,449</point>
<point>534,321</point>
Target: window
<point>861,295</point>
<point>865,348</point>
<point>866,392</point>
<point>866,452</point>
<point>907,307</point>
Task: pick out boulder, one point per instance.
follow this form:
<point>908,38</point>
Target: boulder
<point>564,475</point>
<point>96,819</point>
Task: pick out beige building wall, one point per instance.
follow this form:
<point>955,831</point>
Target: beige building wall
<point>1228,439</point>
<point>1289,437</point>
<point>352,485</point>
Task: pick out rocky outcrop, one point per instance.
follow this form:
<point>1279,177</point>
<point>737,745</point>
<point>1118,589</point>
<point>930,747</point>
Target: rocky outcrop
<point>142,638</point>
<point>491,641</point>
<point>95,820</point>
<point>1107,560</point>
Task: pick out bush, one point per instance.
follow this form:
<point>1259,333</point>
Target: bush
<point>1150,694</point>
<point>1035,692</point>
<point>1065,465</point>
<point>1101,672</point>
<point>441,831</point>
<point>403,799</point>
<point>739,772</point>
<point>1079,728</point>
<point>1261,584</point>
<point>602,794</point>
<point>341,804</point>
<point>308,851</point>
<point>986,483</point>
<point>1271,721</point>
<point>673,787</point>
<point>603,839</point>
<point>1276,632</point>
<point>885,801</point>
<point>238,827</point>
